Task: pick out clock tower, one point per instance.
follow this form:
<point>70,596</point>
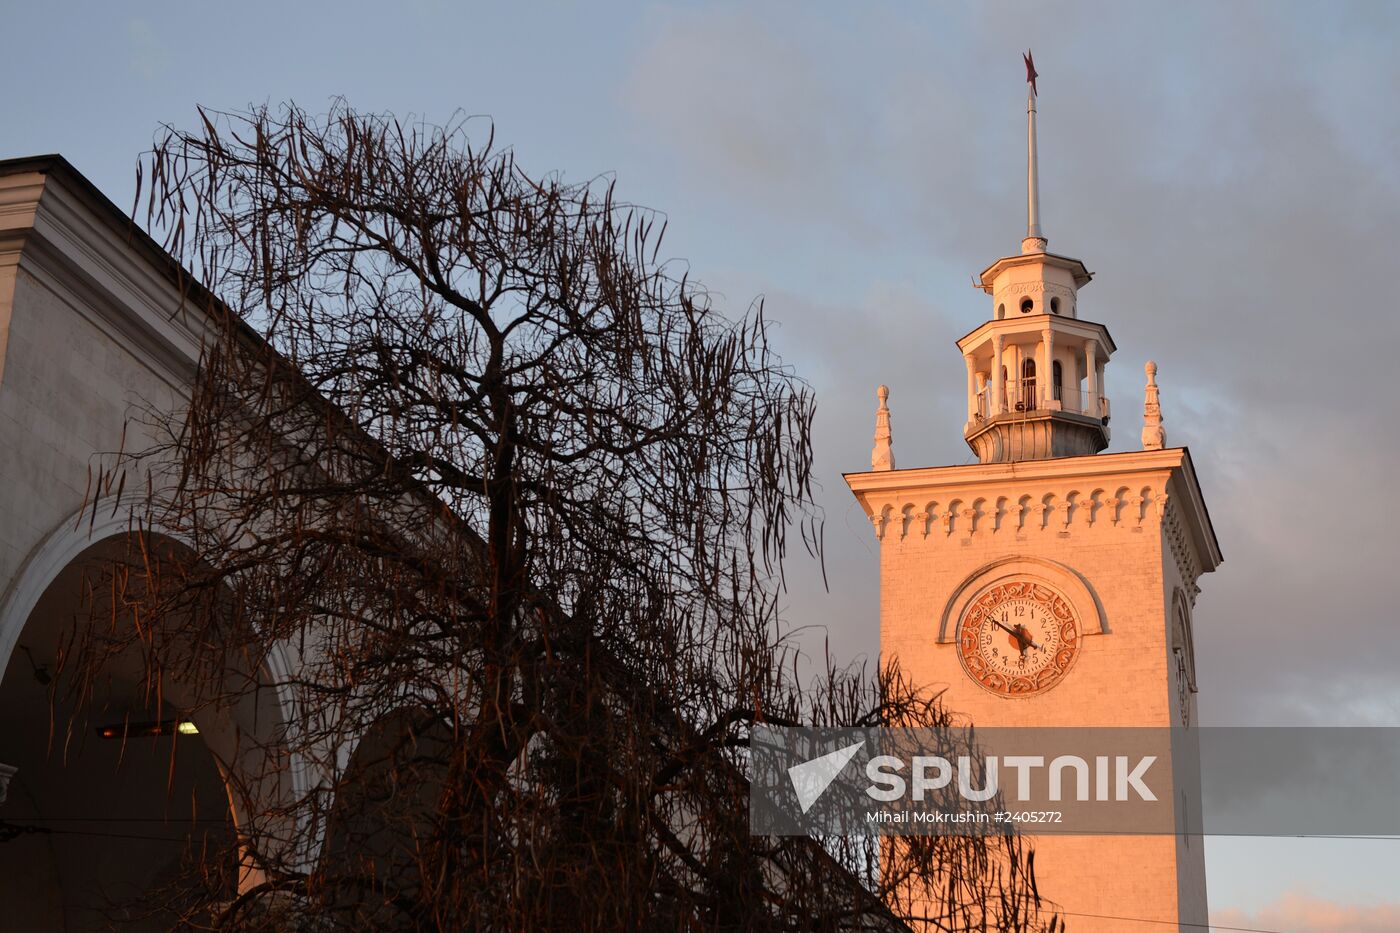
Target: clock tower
<point>1092,557</point>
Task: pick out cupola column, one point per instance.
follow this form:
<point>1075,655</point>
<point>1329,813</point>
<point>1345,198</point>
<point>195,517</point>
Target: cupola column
<point>1091,377</point>
<point>1046,381</point>
<point>971,387</point>
<point>998,378</point>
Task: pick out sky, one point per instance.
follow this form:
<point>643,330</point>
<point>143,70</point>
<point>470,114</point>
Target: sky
<point>1230,172</point>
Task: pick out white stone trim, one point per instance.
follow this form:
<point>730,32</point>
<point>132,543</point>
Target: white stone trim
<point>46,561</point>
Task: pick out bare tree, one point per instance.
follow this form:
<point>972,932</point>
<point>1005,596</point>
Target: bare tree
<point>518,498</point>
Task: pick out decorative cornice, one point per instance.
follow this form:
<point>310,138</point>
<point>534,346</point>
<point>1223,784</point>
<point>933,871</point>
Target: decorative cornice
<point>55,230</point>
<point>1060,468</point>
<point>1178,539</point>
<point>1018,324</point>
<point>1126,490</point>
<point>19,200</point>
<point>1035,288</point>
<point>1082,275</point>
<point>1032,508</point>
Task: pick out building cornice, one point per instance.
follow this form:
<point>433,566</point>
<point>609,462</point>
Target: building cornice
<point>1169,471</point>
<point>1189,498</point>
<point>1029,470</point>
<point>19,201</point>
<point>72,240</point>
<point>1081,274</point>
<point>1018,325</point>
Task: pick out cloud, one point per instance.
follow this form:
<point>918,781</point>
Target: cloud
<point>807,118</point>
<point>745,108</point>
<point>147,53</point>
<point>1298,914</point>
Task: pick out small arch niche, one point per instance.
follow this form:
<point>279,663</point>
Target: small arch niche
<point>1054,306</point>
<point>1001,311</point>
<point>1027,305</point>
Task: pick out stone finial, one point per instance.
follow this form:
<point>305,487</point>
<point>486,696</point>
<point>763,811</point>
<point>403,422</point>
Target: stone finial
<point>882,456</point>
<point>1153,436</point>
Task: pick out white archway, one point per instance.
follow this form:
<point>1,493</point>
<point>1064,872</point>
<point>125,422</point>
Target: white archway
<point>61,547</point>
<point>226,736</point>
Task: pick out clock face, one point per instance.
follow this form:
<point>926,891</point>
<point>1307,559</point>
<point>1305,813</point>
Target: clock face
<point>1018,638</point>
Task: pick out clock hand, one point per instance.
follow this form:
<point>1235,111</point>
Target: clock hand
<point>1006,628</point>
<point>1023,637</point>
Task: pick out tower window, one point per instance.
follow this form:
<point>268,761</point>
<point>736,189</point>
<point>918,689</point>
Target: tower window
<point>1001,311</point>
<point>1054,306</point>
<point>1027,305</point>
<point>1026,402</point>
<point>1057,379</point>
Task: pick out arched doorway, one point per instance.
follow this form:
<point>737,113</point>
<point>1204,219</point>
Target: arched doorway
<point>385,817</point>
<point>1027,384</point>
<point>119,814</point>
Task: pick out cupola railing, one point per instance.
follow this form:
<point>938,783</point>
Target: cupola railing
<point>1033,395</point>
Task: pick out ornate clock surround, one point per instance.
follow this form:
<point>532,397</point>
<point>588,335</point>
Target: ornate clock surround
<point>1046,631</point>
<point>1057,576</point>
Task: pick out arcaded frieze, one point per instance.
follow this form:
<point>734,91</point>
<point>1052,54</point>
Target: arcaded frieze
<point>1122,506</point>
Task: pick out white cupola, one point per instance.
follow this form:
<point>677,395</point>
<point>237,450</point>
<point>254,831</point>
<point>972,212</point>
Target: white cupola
<point>1035,370</point>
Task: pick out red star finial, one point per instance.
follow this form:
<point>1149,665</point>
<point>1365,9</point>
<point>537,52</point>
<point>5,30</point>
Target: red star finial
<point>1031,74</point>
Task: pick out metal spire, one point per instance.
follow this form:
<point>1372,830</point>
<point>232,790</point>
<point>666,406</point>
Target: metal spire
<point>1035,241</point>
